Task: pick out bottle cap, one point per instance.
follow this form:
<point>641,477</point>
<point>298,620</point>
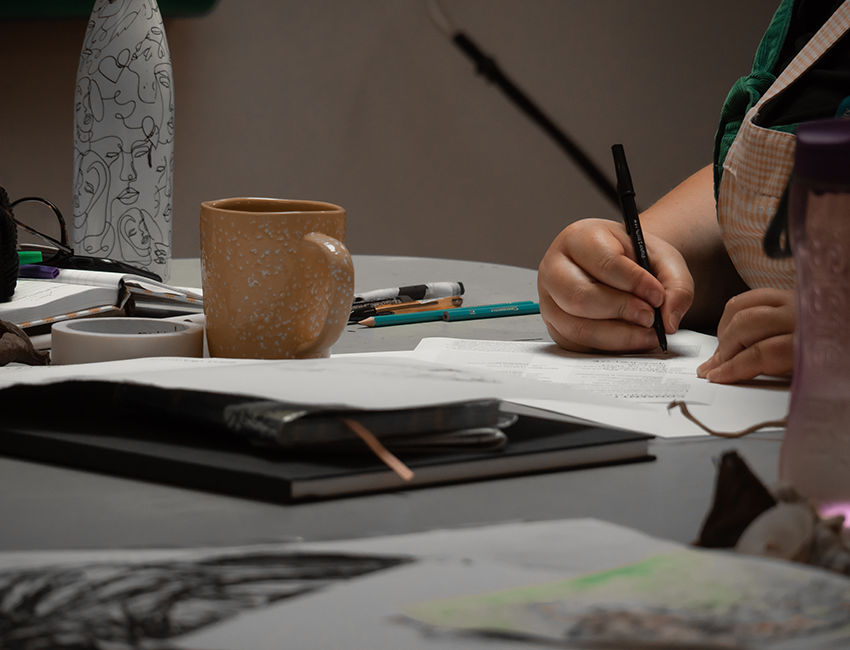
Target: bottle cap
<point>823,152</point>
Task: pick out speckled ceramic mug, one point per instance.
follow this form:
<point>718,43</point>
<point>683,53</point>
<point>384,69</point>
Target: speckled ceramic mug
<point>278,281</point>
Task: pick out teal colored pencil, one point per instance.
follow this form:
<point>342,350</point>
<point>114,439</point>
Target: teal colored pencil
<point>491,311</point>
<point>403,319</point>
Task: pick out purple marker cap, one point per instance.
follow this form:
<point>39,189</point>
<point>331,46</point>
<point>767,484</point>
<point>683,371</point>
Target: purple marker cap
<point>822,153</point>
<point>37,271</point>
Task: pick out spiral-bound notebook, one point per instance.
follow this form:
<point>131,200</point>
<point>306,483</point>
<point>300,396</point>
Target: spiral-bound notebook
<point>75,293</point>
<point>190,447</point>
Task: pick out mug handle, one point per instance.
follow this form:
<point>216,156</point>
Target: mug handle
<point>341,271</point>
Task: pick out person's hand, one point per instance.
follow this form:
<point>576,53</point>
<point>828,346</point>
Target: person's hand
<point>755,337</point>
<point>595,296</point>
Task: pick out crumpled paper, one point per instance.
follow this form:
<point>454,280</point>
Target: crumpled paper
<point>776,522</point>
<point>15,346</point>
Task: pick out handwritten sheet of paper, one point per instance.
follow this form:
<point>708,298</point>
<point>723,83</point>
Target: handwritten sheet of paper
<point>644,378</point>
<point>641,385</point>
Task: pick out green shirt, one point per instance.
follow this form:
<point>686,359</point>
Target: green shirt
<point>748,90</point>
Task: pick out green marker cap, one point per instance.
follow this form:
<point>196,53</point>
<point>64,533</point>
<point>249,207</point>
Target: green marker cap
<point>30,257</point>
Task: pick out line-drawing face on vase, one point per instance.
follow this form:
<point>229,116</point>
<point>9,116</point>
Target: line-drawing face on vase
<point>124,137</point>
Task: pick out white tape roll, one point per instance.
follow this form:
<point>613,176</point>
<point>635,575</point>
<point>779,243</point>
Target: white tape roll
<point>109,339</point>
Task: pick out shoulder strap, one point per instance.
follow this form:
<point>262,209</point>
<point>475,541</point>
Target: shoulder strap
<point>748,90</point>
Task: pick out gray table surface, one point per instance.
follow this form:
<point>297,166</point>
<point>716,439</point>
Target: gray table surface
<point>51,507</point>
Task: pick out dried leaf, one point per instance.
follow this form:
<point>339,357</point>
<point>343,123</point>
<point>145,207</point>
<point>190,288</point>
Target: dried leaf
<point>739,497</point>
<point>15,346</point>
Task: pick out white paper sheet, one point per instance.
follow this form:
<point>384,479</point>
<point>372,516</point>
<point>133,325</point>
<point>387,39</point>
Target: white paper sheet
<point>361,381</point>
<point>643,385</point>
<point>645,378</point>
<point>533,375</point>
<point>356,613</point>
<point>364,611</point>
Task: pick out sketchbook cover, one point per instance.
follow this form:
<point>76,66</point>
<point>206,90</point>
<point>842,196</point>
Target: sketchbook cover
<point>208,459</point>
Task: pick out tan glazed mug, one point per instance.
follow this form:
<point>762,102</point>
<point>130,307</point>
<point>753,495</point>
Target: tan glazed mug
<point>278,281</point>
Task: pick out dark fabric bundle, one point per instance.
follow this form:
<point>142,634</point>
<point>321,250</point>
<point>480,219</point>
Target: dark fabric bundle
<point>8,249</point>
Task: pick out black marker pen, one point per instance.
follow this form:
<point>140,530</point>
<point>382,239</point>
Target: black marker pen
<point>630,216</point>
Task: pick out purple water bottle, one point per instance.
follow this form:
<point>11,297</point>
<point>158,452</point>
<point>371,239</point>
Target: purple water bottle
<point>815,452</point>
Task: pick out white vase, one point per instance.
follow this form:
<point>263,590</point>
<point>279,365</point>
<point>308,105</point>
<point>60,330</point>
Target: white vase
<point>124,137</point>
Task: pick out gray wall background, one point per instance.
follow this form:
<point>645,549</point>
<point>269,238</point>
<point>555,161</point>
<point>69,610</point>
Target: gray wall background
<point>366,104</point>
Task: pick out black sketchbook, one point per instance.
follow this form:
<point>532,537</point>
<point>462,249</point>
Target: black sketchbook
<point>88,427</point>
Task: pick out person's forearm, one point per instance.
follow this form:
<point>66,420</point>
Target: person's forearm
<point>686,217</point>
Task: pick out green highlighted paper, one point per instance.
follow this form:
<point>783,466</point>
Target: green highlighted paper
<point>707,599</point>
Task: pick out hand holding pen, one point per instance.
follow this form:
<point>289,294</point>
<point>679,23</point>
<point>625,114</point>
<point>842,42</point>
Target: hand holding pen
<point>593,294</point>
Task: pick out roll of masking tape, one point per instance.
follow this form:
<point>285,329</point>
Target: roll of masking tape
<point>110,339</point>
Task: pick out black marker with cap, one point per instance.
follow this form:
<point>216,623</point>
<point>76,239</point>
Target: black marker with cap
<point>630,216</point>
